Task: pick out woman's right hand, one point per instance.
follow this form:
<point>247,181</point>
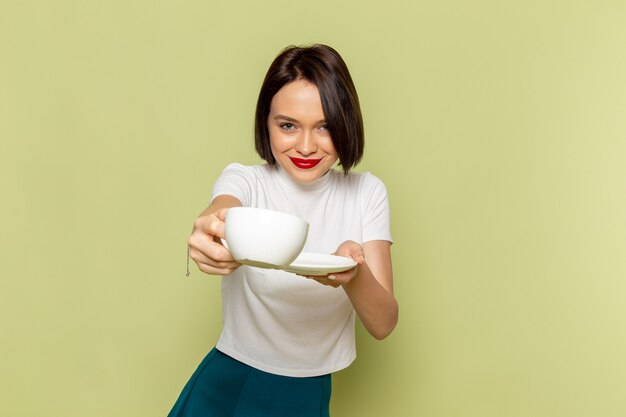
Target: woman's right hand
<point>205,247</point>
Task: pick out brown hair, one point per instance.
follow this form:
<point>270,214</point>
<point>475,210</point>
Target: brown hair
<point>324,67</point>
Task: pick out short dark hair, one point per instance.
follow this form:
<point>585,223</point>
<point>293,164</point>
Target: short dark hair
<point>324,67</point>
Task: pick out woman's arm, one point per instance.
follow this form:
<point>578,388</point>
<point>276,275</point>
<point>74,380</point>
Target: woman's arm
<point>369,285</point>
<point>205,247</point>
<point>371,290</point>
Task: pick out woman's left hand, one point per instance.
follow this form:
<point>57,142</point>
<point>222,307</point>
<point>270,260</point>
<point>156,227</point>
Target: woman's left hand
<point>349,249</point>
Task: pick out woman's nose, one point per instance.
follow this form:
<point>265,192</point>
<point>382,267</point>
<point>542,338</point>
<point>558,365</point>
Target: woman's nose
<point>307,144</point>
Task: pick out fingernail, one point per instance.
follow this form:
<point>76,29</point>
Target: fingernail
<point>332,277</point>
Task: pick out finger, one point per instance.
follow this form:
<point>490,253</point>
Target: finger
<point>214,254</point>
<point>211,257</point>
<point>341,278</point>
<point>347,275</point>
<point>358,257</point>
<point>326,281</point>
<point>209,269</point>
<point>217,226</point>
<point>329,280</point>
<point>333,280</point>
<point>211,225</point>
<point>205,245</point>
<point>351,250</point>
<point>201,258</point>
<point>221,214</point>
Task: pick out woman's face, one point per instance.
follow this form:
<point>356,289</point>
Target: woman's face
<point>299,138</point>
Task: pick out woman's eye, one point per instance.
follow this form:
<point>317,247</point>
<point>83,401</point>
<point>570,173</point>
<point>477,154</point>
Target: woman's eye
<point>287,126</point>
<point>324,127</point>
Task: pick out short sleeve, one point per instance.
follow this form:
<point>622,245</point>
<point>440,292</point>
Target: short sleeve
<point>236,180</point>
<point>376,216</point>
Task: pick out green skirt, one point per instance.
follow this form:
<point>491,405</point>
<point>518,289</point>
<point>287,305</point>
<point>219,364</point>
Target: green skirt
<point>225,387</point>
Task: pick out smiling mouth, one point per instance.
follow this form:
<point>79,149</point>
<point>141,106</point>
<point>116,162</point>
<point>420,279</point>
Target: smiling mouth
<point>305,163</point>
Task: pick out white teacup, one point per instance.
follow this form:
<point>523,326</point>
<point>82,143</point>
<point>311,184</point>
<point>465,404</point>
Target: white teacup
<point>264,238</point>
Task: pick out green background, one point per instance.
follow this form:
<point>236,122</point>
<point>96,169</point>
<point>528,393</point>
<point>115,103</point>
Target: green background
<point>500,131</point>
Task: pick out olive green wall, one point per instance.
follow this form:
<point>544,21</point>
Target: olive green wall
<point>498,127</point>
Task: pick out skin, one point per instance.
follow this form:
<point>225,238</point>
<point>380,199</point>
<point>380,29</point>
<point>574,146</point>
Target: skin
<point>297,129</point>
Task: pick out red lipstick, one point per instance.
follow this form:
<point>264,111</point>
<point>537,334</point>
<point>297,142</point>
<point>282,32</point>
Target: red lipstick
<point>305,163</point>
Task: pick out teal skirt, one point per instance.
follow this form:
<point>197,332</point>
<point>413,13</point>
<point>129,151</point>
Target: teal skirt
<point>225,387</point>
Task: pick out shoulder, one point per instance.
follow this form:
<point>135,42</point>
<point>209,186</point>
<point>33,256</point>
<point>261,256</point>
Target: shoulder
<point>237,167</point>
<point>240,181</point>
<point>248,171</point>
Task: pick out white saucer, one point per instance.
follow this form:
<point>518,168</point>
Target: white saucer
<point>319,264</point>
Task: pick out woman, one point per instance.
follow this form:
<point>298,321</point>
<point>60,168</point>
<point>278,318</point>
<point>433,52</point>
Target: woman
<point>284,334</point>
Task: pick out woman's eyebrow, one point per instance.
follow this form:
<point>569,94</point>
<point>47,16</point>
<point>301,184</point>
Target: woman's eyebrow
<point>291,119</point>
<point>283,117</point>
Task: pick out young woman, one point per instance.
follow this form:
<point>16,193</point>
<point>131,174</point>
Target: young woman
<point>284,334</point>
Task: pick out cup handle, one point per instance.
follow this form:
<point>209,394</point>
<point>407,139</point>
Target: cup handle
<point>225,244</point>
